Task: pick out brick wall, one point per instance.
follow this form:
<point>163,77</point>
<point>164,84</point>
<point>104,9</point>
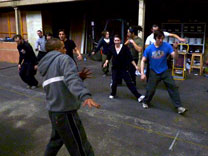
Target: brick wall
<point>8,52</point>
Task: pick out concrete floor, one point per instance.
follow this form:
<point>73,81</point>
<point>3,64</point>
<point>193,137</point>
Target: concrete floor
<point>120,128</point>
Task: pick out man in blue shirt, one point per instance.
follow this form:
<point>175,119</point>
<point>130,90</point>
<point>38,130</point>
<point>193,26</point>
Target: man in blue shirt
<point>157,54</point>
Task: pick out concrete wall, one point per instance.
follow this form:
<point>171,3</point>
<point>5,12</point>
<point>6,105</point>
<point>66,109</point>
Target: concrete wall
<point>34,23</point>
<point>31,2</point>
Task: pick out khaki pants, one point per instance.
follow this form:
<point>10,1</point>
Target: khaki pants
<point>105,69</point>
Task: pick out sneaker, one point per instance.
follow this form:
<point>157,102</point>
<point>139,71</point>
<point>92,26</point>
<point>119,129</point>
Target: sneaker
<point>111,97</point>
<point>33,87</point>
<point>181,110</point>
<point>141,98</point>
<point>144,105</point>
<point>28,87</point>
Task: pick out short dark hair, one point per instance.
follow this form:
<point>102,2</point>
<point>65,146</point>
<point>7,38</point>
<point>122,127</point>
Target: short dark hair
<point>39,31</point>
<point>158,34</point>
<point>62,30</point>
<point>155,25</point>
<point>18,36</point>
<point>53,44</point>
<point>135,29</point>
<point>116,36</point>
<point>49,34</point>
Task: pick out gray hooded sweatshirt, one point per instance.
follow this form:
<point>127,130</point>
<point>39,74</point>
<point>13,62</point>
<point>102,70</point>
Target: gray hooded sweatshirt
<point>64,89</point>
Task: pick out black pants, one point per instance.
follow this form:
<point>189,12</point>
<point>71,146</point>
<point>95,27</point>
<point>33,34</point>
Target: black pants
<point>67,129</point>
<point>41,55</point>
<point>124,74</point>
<point>167,78</point>
<point>132,71</point>
<point>27,73</point>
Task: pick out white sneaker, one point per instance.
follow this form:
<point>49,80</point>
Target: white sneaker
<point>181,110</point>
<point>34,87</point>
<point>141,98</point>
<point>145,106</point>
<point>111,97</point>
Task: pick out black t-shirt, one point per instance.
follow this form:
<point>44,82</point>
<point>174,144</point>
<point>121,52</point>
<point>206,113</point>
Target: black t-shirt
<point>26,53</point>
<point>69,46</point>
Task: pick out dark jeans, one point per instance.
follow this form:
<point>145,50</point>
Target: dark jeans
<point>124,74</point>
<point>27,73</point>
<point>132,71</point>
<point>167,78</point>
<point>67,129</point>
<point>41,55</point>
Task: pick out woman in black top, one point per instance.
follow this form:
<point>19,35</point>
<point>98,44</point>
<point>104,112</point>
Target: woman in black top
<point>121,59</point>
<point>104,42</point>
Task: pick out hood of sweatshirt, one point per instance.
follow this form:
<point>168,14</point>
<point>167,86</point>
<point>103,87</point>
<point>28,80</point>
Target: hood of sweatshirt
<point>46,61</point>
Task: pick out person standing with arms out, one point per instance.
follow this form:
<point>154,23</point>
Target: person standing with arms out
<point>40,45</point>
<point>70,46</point>
<point>27,65</point>
<point>65,92</point>
<point>150,39</point>
<point>157,55</point>
<point>120,67</point>
<point>106,43</point>
<point>135,46</point>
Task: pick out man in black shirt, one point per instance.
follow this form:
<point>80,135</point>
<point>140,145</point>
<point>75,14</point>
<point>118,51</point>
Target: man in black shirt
<point>120,67</point>
<point>27,62</point>
<point>70,46</point>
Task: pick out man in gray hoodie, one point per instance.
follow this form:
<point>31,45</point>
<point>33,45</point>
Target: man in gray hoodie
<point>65,92</point>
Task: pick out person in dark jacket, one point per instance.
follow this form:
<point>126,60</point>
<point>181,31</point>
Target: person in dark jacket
<point>27,65</point>
<point>65,92</point>
<point>120,67</point>
<point>104,42</point>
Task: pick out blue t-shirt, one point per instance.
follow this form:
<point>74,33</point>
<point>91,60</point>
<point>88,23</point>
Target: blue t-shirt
<point>158,56</point>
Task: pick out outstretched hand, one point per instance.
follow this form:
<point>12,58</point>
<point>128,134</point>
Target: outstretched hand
<point>79,57</point>
<point>85,73</point>
<point>91,103</point>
